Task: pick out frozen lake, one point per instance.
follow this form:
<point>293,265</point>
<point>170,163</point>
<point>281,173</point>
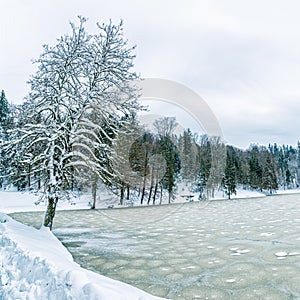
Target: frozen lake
<point>237,249</point>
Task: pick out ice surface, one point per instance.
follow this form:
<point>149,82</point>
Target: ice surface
<point>223,250</point>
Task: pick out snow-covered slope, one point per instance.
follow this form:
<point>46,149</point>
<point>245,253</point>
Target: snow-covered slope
<point>35,265</point>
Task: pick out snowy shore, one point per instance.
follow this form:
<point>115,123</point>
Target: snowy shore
<point>35,265</point>
<point>13,201</point>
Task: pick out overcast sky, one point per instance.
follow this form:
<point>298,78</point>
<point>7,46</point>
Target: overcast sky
<point>242,57</point>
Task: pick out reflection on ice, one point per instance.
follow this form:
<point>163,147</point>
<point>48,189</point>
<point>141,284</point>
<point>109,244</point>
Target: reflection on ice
<point>238,249</point>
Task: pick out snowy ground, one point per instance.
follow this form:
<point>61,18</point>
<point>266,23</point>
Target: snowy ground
<point>13,201</point>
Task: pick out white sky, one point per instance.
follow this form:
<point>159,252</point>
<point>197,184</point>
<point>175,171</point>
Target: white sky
<point>242,57</point>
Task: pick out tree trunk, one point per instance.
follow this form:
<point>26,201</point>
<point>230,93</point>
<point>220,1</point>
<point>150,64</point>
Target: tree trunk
<point>128,192</point>
<point>28,180</point>
<point>150,194</point>
<point>161,194</point>
<point>94,192</point>
<point>155,192</point>
<point>143,194</point>
<point>72,179</point>
<point>52,188</point>
<point>39,180</point>
<point>50,212</point>
<point>145,178</point>
<point>151,186</point>
<point>122,194</point>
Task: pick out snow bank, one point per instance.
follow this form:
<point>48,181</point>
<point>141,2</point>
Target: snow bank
<point>288,191</point>
<point>35,265</point>
<point>240,194</point>
<point>14,201</point>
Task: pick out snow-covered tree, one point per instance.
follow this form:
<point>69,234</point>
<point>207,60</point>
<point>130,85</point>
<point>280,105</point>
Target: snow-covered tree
<point>83,75</point>
<point>4,114</point>
<point>269,177</point>
<point>5,124</point>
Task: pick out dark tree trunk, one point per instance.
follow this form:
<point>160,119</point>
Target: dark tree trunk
<point>50,212</point>
<point>94,193</point>
<point>143,194</point>
<point>150,193</point>
<point>39,180</point>
<point>151,186</point>
<point>72,179</point>
<point>122,194</point>
<point>161,195</point>
<point>128,192</point>
<point>155,192</point>
<point>145,178</point>
<point>29,179</point>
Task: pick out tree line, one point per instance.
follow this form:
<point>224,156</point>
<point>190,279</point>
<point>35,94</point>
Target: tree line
<point>157,161</point>
<point>261,168</point>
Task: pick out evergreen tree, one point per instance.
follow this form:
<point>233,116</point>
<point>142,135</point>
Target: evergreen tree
<point>188,156</point>
<point>229,181</point>
<point>255,168</point>
<point>5,115</point>
<point>5,122</point>
<point>168,149</point>
<point>242,168</point>
<point>269,177</point>
<point>293,165</point>
<point>204,165</point>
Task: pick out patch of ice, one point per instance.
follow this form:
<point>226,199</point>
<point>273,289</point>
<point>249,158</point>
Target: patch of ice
<point>243,251</point>
<point>236,251</point>
<point>267,234</point>
<point>191,267</point>
<point>231,280</point>
<point>281,254</point>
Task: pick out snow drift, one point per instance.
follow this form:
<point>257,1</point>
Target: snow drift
<point>35,265</point>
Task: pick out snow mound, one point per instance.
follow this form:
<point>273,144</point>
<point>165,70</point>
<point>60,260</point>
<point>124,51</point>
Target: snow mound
<point>35,265</point>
